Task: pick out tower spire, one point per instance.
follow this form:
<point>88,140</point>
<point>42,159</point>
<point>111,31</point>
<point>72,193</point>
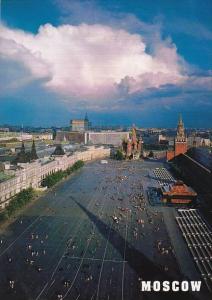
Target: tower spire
<point>86,117</point>
<point>180,129</point>
<point>180,141</point>
<point>33,154</point>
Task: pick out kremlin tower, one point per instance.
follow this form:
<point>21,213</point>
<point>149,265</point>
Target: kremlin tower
<point>180,141</point>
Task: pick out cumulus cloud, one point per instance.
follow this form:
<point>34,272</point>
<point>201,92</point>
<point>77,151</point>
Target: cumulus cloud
<point>93,62</point>
<point>90,12</point>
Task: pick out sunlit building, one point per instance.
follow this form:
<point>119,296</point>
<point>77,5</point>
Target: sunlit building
<point>114,138</point>
<point>80,124</point>
<point>178,193</point>
<point>180,142</point>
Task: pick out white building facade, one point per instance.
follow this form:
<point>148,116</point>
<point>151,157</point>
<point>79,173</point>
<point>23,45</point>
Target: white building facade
<point>31,174</point>
<point>106,137</point>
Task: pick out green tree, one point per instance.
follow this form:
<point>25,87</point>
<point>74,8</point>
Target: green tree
<point>52,179</point>
<point>19,201</point>
<point>119,155</point>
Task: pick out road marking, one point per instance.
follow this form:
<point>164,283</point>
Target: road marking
<point>61,258</point>
<point>92,204</point>
<point>76,231</point>
<point>77,270</point>
<point>83,257</point>
<point>92,296</point>
<point>123,270</point>
<point>5,250</point>
<point>40,216</point>
<point>52,282</point>
<point>42,291</point>
<point>98,259</point>
<point>100,274</point>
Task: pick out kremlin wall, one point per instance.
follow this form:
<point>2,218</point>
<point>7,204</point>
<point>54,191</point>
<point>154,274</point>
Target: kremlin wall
<point>188,169</point>
<point>195,175</point>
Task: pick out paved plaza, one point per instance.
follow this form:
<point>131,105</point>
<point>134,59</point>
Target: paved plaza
<point>95,236</point>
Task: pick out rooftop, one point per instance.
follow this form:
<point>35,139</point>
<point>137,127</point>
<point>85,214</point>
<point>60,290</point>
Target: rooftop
<point>179,188</point>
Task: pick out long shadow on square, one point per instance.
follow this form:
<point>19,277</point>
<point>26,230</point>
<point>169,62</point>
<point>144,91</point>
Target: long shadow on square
<point>140,263</point>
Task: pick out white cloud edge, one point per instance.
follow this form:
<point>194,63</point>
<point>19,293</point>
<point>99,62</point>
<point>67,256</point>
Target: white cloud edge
<point>95,62</point>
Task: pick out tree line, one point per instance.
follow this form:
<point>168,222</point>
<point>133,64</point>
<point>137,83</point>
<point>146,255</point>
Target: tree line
<point>52,179</point>
<point>27,195</point>
<point>19,201</point>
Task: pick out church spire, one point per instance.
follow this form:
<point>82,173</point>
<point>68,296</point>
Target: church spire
<point>22,156</point>
<point>86,117</point>
<point>33,153</point>
<point>180,129</point>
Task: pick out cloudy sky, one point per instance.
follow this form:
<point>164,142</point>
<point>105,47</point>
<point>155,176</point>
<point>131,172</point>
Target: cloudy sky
<point>121,61</point>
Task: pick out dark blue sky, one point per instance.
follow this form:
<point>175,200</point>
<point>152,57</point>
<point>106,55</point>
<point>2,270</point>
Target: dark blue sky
<point>170,62</point>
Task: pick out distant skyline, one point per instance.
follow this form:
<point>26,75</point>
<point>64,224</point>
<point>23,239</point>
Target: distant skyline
<point>122,62</point>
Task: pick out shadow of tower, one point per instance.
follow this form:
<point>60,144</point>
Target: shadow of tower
<point>140,263</point>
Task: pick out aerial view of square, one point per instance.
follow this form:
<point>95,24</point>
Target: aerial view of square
<point>105,150</point>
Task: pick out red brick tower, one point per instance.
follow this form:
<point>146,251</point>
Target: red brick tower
<point>180,142</point>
